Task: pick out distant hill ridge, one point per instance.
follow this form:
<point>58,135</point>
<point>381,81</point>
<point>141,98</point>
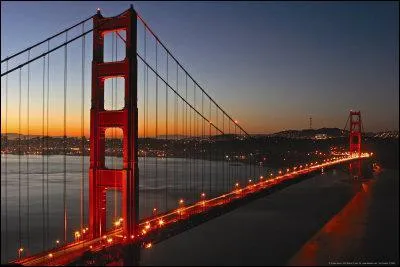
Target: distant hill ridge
<point>313,132</point>
<point>331,132</point>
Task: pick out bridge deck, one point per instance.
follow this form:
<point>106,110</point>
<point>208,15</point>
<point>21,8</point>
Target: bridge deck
<point>68,253</point>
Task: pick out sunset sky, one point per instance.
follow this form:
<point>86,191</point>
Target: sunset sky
<point>270,65</point>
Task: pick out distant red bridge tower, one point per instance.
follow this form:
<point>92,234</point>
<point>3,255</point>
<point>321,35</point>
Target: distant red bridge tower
<point>101,179</point>
<point>355,132</point>
<point>355,141</point>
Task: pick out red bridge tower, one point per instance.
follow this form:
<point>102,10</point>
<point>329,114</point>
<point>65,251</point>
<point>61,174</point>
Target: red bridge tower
<point>355,132</point>
<point>355,142</point>
<point>101,178</point>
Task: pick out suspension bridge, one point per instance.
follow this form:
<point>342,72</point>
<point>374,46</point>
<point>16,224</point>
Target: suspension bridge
<point>161,154</point>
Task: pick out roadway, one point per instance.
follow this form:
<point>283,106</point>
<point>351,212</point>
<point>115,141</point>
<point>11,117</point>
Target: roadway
<point>66,254</point>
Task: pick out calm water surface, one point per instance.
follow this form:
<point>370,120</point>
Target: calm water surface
<point>34,218</point>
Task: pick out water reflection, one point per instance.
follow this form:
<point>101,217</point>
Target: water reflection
<point>162,184</point>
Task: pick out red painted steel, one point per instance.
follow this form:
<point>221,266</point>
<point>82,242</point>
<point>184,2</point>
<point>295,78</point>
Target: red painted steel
<point>355,132</point>
<point>101,179</point>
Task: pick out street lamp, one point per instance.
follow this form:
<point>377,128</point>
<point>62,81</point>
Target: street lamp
<point>77,235</point>
<point>20,250</point>
<point>203,197</point>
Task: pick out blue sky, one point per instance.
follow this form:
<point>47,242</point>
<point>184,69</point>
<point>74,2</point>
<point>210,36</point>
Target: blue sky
<point>269,64</point>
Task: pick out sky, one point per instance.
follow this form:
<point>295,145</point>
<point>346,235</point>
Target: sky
<point>270,65</point>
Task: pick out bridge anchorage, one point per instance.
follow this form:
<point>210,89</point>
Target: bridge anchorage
<point>203,192</point>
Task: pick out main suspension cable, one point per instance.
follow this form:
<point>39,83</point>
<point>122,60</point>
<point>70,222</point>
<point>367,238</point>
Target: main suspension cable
<point>45,40</point>
<point>180,65</point>
<point>57,47</point>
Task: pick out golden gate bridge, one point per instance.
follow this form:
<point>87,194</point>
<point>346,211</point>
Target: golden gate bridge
<point>143,104</point>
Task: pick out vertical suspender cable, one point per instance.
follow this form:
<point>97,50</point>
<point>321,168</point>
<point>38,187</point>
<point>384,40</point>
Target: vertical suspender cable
<point>146,124</point>
<point>247,167</point>
<point>202,142</point>
<point>186,136</point>
<point>146,128</point>
<point>236,156</point>
<point>156,132</point>
<point>144,180</point>
<point>195,150</point>
<point>27,158</point>
<point>166,142</point>
<point>218,154</point>
<point>43,98</point>
<point>175,186</point>
<point>230,156</point>
<point>47,146</point>
<point>192,147</point>
<point>83,131</point>
<point>65,140</point>
<point>5,167</point>
<point>19,163</point>
<point>255,159</point>
<point>209,147</point>
<point>223,153</point>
